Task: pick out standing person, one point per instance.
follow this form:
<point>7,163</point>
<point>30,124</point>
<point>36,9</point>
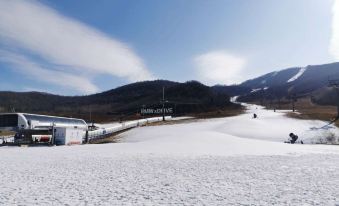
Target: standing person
<point>255,116</point>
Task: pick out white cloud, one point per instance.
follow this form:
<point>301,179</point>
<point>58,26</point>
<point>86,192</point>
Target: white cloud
<point>59,40</point>
<point>219,67</point>
<point>38,73</point>
<point>334,43</point>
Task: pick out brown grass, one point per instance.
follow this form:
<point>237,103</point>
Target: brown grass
<point>306,109</point>
<point>220,113</point>
<point>6,133</point>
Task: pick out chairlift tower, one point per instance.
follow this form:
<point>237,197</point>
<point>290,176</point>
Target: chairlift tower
<point>163,101</point>
<point>262,96</point>
<point>335,85</point>
<point>294,100</point>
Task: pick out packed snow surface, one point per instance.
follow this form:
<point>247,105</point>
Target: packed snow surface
<point>225,161</point>
<point>295,77</point>
<point>255,90</point>
<point>259,89</point>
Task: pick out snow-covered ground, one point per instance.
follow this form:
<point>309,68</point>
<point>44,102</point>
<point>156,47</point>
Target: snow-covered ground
<point>225,161</point>
<point>298,75</point>
<point>114,124</point>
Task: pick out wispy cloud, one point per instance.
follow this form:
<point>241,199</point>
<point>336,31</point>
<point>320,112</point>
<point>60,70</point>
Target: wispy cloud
<point>39,73</point>
<point>67,43</point>
<point>219,67</point>
<point>334,43</point>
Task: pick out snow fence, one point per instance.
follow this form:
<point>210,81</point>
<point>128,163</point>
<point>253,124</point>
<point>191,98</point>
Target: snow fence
<point>104,132</point>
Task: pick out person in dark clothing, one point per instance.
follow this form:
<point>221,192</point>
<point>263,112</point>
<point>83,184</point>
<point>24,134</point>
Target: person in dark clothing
<point>293,138</point>
<point>255,116</point>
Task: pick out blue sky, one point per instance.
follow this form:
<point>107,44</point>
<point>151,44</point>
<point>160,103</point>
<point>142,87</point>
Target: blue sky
<point>74,47</point>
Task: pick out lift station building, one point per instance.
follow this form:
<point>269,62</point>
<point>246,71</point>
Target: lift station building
<point>34,128</point>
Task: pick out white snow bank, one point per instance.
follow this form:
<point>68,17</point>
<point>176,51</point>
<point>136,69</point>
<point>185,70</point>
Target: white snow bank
<point>105,129</point>
<point>97,175</point>
<point>116,124</point>
<point>255,90</point>
<point>234,99</point>
<point>240,135</point>
<point>295,77</point>
<point>180,118</point>
<point>274,126</point>
<point>226,161</point>
<point>259,89</point>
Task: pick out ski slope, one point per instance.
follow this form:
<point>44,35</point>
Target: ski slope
<point>298,75</point>
<point>225,161</point>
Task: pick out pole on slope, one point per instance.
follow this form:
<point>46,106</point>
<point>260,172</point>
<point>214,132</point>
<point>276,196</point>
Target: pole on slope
<point>90,113</point>
<point>163,103</point>
<point>53,135</point>
<point>294,99</point>
<point>335,85</point>
<point>86,137</point>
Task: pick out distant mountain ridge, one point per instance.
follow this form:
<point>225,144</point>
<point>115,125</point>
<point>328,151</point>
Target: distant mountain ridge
<point>298,81</point>
<point>188,97</point>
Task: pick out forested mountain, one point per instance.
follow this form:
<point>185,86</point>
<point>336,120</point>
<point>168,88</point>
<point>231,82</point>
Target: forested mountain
<point>312,81</point>
<point>189,97</point>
